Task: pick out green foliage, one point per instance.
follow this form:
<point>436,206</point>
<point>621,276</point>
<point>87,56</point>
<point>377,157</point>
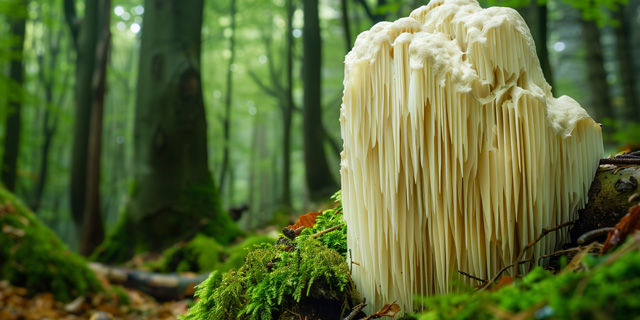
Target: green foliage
<point>624,133</point>
<point>336,240</point>
<point>607,290</point>
<point>275,277</point>
<point>33,257</point>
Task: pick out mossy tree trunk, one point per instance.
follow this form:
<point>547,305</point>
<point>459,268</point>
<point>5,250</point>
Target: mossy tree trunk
<point>173,195</point>
<point>320,181</point>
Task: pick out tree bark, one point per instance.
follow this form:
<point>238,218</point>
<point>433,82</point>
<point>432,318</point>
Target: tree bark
<point>625,66</point>
<point>174,194</point>
<point>227,103</point>
<point>608,198</point>
<point>320,181</point>
<point>13,120</point>
<point>92,233</point>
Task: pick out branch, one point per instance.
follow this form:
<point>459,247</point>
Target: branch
<point>327,230</point>
<point>472,277</point>
<point>532,243</point>
<point>503,270</point>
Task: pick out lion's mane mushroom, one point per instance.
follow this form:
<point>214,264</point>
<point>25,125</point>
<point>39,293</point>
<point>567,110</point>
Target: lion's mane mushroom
<point>456,155</point>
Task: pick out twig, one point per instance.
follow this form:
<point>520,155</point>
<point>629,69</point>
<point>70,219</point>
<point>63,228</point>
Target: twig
<point>501,271</point>
<point>533,243</point>
<point>557,253</point>
<point>356,310</point>
<point>293,313</point>
<point>622,160</point>
<point>472,277</point>
<point>588,236</point>
<point>327,230</point>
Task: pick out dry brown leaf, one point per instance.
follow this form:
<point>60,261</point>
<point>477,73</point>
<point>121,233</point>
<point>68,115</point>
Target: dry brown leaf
<point>504,281</point>
<point>387,311</point>
<point>576,263</point>
<point>306,220</point>
<point>627,225</point>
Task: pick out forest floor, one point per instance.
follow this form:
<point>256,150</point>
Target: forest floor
<point>116,303</point>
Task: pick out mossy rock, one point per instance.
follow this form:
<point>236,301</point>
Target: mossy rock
<point>306,274</point>
<point>32,256</point>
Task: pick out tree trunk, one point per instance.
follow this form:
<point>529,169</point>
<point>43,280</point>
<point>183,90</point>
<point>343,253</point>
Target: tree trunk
<point>50,122</point>
<point>16,73</point>
<point>625,66</point>
<point>287,113</point>
<point>174,195</point>
<point>320,181</point>
<point>227,102</point>
<point>87,39</point>
<point>345,24</point>
<point>92,233</point>
<point>535,14</point>
<point>597,76</point>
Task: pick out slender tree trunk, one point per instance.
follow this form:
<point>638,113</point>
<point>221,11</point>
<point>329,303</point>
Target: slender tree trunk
<point>13,121</point>
<point>87,39</point>
<point>287,112</point>
<point>320,181</point>
<point>535,15</point>
<point>227,103</point>
<point>597,76</point>
<point>345,24</point>
<point>50,122</point>
<point>174,194</point>
<point>625,66</point>
<point>92,233</point>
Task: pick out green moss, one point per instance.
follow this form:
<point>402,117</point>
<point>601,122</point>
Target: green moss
<point>238,253</point>
<point>336,240</point>
<point>197,211</point>
<point>32,256</point>
<point>275,278</point>
<point>606,291</point>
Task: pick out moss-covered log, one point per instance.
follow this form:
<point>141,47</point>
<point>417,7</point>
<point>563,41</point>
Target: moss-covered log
<point>608,198</point>
<point>31,255</point>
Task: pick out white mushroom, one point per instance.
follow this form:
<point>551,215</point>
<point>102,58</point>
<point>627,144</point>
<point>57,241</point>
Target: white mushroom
<point>456,155</point>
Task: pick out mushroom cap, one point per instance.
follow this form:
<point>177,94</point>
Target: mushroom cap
<point>456,155</point>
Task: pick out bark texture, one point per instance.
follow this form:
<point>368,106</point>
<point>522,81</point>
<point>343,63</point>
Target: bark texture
<point>608,198</point>
<point>174,195</point>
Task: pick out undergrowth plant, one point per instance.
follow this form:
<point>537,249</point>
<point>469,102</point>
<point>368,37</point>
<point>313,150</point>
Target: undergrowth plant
<point>608,289</point>
<point>274,278</point>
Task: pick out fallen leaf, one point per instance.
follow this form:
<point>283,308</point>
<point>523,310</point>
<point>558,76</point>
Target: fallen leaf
<point>504,281</point>
<point>306,220</point>
<point>627,225</point>
<point>387,311</point>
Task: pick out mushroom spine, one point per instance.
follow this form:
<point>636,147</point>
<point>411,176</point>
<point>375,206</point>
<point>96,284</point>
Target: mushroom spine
<point>456,155</point>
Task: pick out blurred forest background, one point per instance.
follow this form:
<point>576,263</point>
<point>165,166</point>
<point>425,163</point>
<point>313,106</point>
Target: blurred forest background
<point>113,106</point>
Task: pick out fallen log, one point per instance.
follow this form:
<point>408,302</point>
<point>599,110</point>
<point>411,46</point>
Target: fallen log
<point>163,287</point>
<point>609,196</point>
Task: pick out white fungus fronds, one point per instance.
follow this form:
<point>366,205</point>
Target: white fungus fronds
<point>456,155</point>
